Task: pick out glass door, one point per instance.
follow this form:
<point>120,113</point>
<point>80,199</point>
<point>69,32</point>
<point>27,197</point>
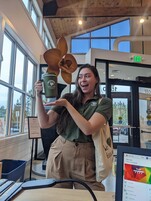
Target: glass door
<point>145,116</point>
<point>121,99</point>
<point>129,86</point>
<point>131,121</point>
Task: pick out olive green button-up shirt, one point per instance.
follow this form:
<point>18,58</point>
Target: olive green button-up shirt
<point>72,131</point>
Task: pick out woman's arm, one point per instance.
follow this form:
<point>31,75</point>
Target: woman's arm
<point>87,126</point>
<point>90,126</point>
<point>46,120</point>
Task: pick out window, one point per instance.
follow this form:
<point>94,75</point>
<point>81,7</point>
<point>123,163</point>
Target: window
<point>30,77</point>
<point>120,29</point>
<point>102,38</point>
<point>29,4</point>
<point>36,16</point>
<point>19,69</point>
<point>100,44</point>
<point>16,112</point>
<point>103,32</point>
<point>17,77</point>
<point>5,66</point>
<point>80,45</point>
<point>26,3</point>
<point>3,109</point>
<point>45,37</point>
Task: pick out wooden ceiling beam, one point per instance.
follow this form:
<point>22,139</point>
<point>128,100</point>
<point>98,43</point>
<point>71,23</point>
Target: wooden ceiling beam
<point>64,3</point>
<point>101,12</point>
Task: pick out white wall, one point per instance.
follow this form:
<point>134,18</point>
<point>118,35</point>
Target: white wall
<point>14,14</point>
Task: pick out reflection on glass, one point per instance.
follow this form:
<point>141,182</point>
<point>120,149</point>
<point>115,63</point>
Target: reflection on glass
<point>28,112</point>
<point>26,3</point>
<point>25,125</point>
<point>28,106</point>
<point>127,72</point>
<point>16,112</point>
<point>3,109</point>
<point>5,66</point>
<point>145,116</point>
<point>29,87</point>
<point>101,67</point>
<point>121,129</point>
<point>34,16</point>
<point>120,88</point>
<point>19,69</point>
<point>120,111</point>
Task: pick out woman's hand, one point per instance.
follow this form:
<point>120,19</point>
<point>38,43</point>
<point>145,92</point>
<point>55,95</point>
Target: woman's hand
<point>59,102</point>
<point>38,88</point>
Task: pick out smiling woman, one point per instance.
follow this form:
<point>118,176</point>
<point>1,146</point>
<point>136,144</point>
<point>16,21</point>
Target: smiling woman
<point>76,115</point>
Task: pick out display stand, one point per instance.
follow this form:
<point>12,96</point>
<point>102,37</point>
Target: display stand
<point>34,132</point>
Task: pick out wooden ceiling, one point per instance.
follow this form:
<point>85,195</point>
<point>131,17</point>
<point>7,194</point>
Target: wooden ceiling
<point>63,15</point>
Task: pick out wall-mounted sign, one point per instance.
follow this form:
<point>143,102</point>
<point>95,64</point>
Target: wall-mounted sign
<point>137,58</point>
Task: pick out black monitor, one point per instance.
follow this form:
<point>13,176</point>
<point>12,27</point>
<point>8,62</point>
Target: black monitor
<point>133,174</point>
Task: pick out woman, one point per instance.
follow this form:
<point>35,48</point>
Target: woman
<point>77,116</point>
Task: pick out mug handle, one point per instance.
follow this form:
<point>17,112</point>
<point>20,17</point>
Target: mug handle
<point>43,93</point>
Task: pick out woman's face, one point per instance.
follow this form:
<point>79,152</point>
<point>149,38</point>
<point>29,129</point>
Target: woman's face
<point>87,81</point>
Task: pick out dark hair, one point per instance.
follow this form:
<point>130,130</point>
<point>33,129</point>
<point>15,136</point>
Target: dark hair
<point>76,97</point>
<point>78,94</point>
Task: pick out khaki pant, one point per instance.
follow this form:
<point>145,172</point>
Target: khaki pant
<point>71,160</point>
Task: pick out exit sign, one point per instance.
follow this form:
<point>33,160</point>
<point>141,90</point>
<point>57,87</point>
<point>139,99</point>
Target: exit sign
<point>137,58</point>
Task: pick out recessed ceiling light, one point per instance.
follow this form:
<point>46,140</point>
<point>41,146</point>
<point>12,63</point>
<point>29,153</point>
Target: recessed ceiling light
<point>142,20</point>
<point>80,22</point>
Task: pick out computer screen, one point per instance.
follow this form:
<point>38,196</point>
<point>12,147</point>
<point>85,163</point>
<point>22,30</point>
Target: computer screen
<point>133,174</point>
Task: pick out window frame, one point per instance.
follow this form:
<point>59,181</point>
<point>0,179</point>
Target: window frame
<point>90,37</point>
<point>12,88</point>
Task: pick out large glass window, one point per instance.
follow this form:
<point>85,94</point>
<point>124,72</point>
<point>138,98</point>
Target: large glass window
<point>26,3</point>
<point>120,28</point>
<point>3,109</point>
<point>16,112</point>
<point>103,32</point>
<point>5,66</point>
<point>81,45</point>
<point>30,77</point>
<point>17,77</point>
<point>102,38</point>
<point>100,44</point>
<point>46,39</point>
<point>36,16</point>
<point>19,69</point>
<point>28,106</point>
<point>126,71</point>
<point>29,4</point>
